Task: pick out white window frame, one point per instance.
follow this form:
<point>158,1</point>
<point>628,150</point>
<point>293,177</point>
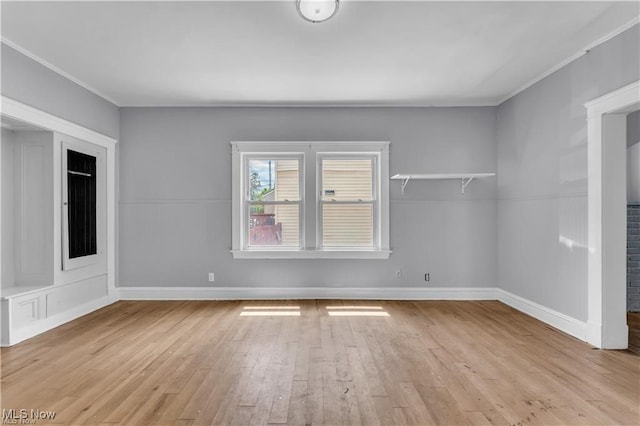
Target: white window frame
<point>310,187</point>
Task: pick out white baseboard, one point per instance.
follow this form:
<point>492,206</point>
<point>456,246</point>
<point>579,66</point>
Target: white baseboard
<point>271,293</point>
<point>556,319</point>
<point>47,324</point>
<point>615,337</point>
<point>569,325</point>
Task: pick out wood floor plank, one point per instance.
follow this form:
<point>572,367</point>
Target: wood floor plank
<point>429,362</point>
<point>284,383</point>
<point>297,409</point>
<point>315,401</point>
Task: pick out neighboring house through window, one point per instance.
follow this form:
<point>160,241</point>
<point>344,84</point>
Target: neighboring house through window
<point>310,200</point>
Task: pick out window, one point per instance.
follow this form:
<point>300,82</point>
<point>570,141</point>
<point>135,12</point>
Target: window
<point>272,202</point>
<point>347,201</point>
<point>310,200</point>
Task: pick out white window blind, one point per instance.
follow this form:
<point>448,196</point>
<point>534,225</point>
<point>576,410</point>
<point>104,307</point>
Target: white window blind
<point>348,202</point>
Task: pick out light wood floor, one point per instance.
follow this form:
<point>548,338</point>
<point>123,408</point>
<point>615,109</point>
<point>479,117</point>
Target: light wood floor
<point>426,363</point>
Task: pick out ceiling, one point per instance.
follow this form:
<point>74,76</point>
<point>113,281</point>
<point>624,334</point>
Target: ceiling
<point>415,53</point>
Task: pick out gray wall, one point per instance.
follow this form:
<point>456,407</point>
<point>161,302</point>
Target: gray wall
<point>27,81</point>
<point>175,192</point>
<point>542,176</point>
<point>633,128</point>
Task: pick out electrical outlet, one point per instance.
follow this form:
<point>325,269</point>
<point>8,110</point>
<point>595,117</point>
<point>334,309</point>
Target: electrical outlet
<point>212,277</point>
<point>398,273</point>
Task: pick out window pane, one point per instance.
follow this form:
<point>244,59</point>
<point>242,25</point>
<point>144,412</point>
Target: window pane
<point>344,180</point>
<point>274,180</point>
<point>274,225</point>
<point>347,225</point>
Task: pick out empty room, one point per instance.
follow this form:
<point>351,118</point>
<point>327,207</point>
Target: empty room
<point>320,212</point>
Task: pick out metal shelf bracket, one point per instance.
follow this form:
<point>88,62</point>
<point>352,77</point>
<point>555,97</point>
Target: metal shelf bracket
<point>464,182</point>
<point>405,181</point>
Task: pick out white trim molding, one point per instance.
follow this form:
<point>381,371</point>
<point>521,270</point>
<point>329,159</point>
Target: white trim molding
<point>562,322</point>
<point>311,254</point>
<point>606,152</point>
<point>280,293</point>
<point>28,114</point>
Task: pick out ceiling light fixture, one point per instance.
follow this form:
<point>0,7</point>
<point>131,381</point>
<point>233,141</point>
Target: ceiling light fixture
<point>317,10</point>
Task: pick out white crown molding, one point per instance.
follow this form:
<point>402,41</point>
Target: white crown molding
<point>57,70</point>
<point>346,104</point>
<point>570,59</point>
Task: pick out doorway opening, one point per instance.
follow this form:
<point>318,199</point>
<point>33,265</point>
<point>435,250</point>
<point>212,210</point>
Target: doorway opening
<point>633,230</point>
<point>607,216</point>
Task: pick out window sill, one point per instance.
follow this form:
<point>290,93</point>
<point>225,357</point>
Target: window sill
<point>311,254</point>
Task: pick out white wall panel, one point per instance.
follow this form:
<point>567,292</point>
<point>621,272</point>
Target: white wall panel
<point>67,297</point>
<point>8,203</point>
<point>33,208</point>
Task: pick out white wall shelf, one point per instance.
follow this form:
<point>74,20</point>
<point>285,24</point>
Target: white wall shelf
<point>465,178</point>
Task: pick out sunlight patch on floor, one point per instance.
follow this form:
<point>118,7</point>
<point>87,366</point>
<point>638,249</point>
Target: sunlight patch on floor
<point>270,314</point>
<point>264,308</point>
<point>270,311</point>
<point>358,314</point>
<point>356,311</point>
<point>355,307</point>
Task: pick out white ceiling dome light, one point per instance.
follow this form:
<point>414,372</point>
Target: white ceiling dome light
<point>317,10</point>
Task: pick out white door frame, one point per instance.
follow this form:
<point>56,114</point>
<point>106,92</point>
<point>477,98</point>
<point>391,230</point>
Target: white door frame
<point>28,114</point>
<point>606,145</point>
